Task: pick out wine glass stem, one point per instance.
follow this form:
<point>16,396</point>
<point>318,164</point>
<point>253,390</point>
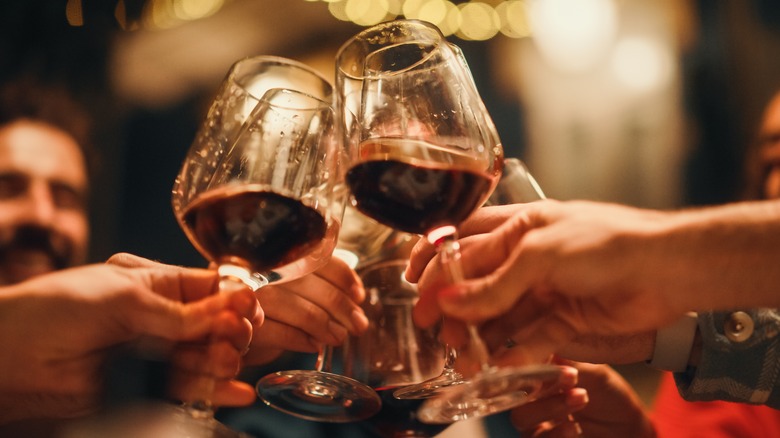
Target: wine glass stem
<point>324,358</point>
<point>449,251</point>
<point>203,407</point>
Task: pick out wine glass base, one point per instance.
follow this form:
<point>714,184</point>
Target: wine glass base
<point>431,387</point>
<point>489,392</point>
<point>318,396</point>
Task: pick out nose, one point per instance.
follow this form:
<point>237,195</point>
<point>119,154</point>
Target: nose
<point>40,209</point>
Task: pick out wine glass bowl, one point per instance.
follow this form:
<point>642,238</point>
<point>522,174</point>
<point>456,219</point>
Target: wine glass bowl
<point>242,89</point>
<point>272,199</point>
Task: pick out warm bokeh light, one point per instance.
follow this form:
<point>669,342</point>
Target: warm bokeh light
<point>366,12</point>
<point>339,10</point>
<point>195,9</point>
<point>642,64</point>
<point>433,11</point>
<point>574,35</point>
<point>452,21</point>
<point>514,19</point>
<point>480,21</point>
<point>468,20</point>
<point>74,13</point>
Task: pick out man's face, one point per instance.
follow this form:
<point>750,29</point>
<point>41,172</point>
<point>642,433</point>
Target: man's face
<point>43,185</point>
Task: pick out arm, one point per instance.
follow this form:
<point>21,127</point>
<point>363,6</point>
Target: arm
<point>573,268</point>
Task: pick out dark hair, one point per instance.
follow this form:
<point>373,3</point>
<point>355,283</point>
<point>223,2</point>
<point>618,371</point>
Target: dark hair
<point>52,104</point>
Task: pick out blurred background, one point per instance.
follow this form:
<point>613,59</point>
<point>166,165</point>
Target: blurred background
<point>652,103</point>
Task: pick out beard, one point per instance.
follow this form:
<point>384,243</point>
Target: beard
<point>28,251</point>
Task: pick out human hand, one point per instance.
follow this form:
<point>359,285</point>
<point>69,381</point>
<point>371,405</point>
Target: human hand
<point>562,269</point>
<point>57,330</point>
<point>602,405</point>
<point>320,308</point>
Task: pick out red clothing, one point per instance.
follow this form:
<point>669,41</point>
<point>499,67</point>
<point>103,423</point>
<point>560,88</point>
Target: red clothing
<point>677,418</point>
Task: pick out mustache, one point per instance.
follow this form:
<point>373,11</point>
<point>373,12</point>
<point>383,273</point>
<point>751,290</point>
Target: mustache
<point>36,238</point>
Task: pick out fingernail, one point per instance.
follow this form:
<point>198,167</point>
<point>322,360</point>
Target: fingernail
<point>577,398</point>
<point>568,376</point>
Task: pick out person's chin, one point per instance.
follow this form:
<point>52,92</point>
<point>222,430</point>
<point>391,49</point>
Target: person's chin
<point>21,265</point>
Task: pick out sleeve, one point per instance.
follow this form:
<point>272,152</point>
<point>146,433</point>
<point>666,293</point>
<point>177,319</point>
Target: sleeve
<point>740,360</point>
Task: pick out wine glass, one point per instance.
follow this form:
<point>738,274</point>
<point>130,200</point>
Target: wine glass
<point>393,352</point>
<point>272,198</point>
<point>428,156</point>
<point>319,394</point>
<point>350,75</point>
<point>245,83</point>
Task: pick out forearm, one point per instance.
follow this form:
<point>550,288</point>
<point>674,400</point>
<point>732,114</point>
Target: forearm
<point>716,258</point>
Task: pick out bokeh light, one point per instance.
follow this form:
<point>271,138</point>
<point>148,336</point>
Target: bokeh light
<point>642,64</point>
<point>574,35</point>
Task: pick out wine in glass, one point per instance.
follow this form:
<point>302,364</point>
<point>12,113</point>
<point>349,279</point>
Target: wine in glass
<point>428,156</point>
<point>393,352</point>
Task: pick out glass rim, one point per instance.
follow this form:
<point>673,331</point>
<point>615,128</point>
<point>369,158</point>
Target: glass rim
<point>365,34</point>
<point>234,71</point>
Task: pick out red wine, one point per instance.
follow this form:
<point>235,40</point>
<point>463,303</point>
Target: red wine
<point>398,418</point>
<point>416,187</point>
<point>252,227</point>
